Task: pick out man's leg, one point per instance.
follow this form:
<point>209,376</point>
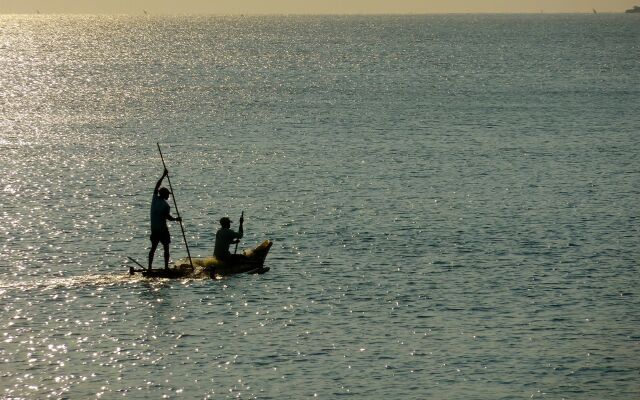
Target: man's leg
<point>154,245</point>
<point>166,255</point>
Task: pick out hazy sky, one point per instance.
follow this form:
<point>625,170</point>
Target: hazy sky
<point>309,6</point>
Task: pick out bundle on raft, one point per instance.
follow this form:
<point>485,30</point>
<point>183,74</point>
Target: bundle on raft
<point>251,261</point>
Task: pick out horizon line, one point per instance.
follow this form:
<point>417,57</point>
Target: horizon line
<point>147,14</point>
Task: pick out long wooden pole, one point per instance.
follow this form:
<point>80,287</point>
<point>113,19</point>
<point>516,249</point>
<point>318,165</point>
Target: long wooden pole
<point>241,219</point>
<point>173,195</point>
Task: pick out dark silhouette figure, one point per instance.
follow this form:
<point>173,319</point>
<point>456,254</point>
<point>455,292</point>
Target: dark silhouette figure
<point>225,237</point>
<point>160,213</point>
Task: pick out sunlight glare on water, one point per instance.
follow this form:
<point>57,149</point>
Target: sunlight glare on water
<point>452,200</point>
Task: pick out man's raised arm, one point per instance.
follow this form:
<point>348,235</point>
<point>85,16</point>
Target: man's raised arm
<point>165,173</point>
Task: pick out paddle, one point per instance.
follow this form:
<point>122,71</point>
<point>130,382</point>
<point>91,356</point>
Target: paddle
<point>131,269</point>
<point>176,206</point>
<point>140,265</point>
<point>241,221</point>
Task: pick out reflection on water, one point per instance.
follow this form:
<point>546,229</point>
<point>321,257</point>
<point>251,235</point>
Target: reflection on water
<point>452,199</point>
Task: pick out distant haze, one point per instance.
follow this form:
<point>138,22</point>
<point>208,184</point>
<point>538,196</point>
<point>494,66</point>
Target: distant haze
<point>309,6</point>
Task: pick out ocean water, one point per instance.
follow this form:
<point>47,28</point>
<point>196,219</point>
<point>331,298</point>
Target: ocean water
<point>453,202</point>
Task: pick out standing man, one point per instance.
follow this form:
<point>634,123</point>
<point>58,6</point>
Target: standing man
<point>160,213</point>
<point>226,237</point>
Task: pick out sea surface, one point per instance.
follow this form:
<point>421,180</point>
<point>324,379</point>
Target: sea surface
<point>453,201</point>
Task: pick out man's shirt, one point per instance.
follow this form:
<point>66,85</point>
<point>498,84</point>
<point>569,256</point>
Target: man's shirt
<point>224,238</point>
<point>160,211</point>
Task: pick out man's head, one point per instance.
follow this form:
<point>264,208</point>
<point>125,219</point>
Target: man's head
<point>225,222</point>
<point>164,192</point>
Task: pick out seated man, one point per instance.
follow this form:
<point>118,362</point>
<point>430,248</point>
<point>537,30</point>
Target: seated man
<point>226,237</point>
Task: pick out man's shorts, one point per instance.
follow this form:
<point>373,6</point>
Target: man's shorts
<point>163,237</point>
